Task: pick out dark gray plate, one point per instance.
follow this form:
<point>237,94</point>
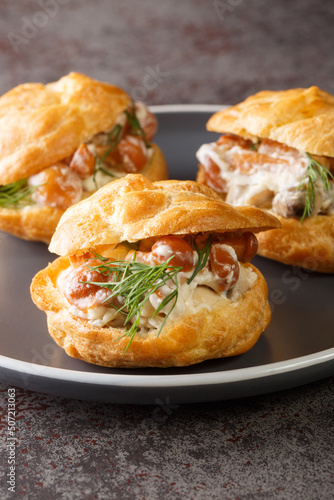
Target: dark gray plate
<point>297,347</point>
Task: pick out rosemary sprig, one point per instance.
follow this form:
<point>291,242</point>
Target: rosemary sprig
<point>203,256</point>
<point>314,171</point>
<point>16,194</point>
<point>135,282</point>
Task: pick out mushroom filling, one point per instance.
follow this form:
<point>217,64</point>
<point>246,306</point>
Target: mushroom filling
<point>269,174</point>
<point>165,278</point>
<point>108,155</point>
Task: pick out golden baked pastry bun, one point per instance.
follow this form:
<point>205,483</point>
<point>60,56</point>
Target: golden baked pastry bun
<point>154,275</point>
<point>277,153</point>
<point>61,142</point>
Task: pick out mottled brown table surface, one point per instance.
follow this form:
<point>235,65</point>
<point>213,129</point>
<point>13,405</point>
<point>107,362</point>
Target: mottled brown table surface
<point>272,446</point>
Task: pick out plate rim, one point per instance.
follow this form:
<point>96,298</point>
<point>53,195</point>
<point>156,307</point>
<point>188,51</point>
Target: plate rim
<point>187,108</point>
<point>163,380</point>
<point>180,380</point>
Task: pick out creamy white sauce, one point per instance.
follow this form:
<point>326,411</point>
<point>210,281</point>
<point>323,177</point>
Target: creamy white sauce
<point>141,111</point>
<point>247,278</point>
<point>163,251</point>
<point>101,179</point>
<point>274,177</point>
<point>262,182</point>
<point>201,293</point>
<point>97,316</point>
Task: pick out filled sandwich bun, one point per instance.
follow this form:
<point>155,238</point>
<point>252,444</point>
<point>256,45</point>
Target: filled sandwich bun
<point>277,153</point>
<point>154,275</point>
<point>61,142</point>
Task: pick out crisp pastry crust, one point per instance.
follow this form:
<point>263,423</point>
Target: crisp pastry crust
<point>309,245</point>
<point>133,208</point>
<point>38,223</point>
<point>303,119</point>
<point>42,124</point>
<point>30,223</point>
<point>300,118</point>
<point>201,177</point>
<point>225,330</point>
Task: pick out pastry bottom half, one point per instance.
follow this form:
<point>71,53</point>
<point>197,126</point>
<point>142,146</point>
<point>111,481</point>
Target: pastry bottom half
<point>309,244</point>
<point>224,330</point>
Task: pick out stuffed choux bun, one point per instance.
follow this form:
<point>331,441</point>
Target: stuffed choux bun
<point>61,142</point>
<point>277,153</point>
<point>154,275</point>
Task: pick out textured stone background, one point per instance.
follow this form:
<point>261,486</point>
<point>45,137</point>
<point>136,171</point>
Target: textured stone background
<point>277,446</point>
<point>209,51</point>
<point>274,446</point>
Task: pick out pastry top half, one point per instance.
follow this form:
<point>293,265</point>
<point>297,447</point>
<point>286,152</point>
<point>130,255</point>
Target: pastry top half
<point>42,124</point>
<point>133,208</point>
<point>300,118</point>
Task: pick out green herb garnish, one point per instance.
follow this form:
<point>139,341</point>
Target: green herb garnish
<point>314,171</point>
<point>203,256</point>
<point>115,136</point>
<point>135,125</point>
<point>134,282</point>
<point>112,140</point>
<point>16,194</point>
